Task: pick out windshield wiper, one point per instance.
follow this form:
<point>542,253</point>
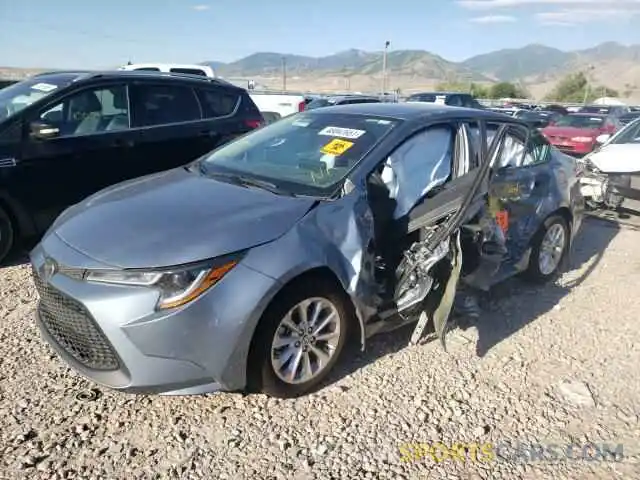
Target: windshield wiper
<point>247,181</point>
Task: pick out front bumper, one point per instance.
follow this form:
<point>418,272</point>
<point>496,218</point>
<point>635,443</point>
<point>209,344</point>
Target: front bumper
<point>113,335</point>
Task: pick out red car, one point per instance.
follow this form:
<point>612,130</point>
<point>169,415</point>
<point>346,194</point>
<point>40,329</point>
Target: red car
<point>576,133</point>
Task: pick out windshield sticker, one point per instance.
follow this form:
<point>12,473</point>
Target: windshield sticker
<point>336,147</point>
<point>44,87</point>
<point>342,132</point>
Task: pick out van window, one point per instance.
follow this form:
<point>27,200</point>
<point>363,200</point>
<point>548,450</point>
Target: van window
<point>163,104</point>
<point>217,103</point>
<point>189,71</point>
<point>103,109</point>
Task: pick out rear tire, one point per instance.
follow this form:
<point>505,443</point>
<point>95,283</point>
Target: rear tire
<point>6,235</point>
<point>285,363</point>
<point>548,250</point>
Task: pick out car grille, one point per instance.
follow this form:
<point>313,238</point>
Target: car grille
<point>72,327</point>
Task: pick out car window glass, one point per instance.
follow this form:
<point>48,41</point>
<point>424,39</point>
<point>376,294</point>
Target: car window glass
<point>92,111</point>
<point>631,134</point>
<point>538,149</point>
<point>471,131</point>
<point>418,165</point>
<point>217,103</point>
<point>189,71</point>
<point>163,104</point>
<point>512,152</point>
<point>454,101</point>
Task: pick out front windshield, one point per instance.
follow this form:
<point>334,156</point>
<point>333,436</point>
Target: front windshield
<point>580,121</point>
<point>19,96</point>
<point>629,134</point>
<point>306,154</point>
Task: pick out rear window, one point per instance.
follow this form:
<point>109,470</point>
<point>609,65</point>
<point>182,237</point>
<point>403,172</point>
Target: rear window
<point>596,109</point>
<point>318,103</point>
<point>580,121</point>
<point>189,71</point>
<point>217,103</point>
<point>307,153</point>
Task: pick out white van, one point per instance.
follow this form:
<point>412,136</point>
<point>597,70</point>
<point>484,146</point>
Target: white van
<point>201,70</point>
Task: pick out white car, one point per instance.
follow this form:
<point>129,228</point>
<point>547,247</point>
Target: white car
<point>608,171</point>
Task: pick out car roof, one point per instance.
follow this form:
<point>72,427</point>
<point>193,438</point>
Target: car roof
<point>349,97</point>
<point>86,75</point>
<point>408,111</point>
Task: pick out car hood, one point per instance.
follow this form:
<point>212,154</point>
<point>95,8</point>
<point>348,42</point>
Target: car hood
<point>571,132</point>
<point>617,158</point>
<point>174,218</point>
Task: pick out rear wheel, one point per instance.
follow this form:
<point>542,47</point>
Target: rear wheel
<point>548,249</point>
<point>6,235</point>
<point>299,339</point>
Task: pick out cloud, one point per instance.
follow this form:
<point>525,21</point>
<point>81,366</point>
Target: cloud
<point>493,19</point>
<point>200,8</point>
<point>582,16</point>
<point>491,4</point>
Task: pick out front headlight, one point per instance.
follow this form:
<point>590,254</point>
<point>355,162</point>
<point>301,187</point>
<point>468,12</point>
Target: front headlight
<point>177,286</point>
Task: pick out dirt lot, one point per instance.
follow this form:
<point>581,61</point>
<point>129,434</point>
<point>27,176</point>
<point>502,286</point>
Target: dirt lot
<point>555,364</point>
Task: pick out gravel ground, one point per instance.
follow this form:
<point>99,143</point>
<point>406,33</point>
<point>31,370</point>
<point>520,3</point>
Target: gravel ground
<point>555,364</point>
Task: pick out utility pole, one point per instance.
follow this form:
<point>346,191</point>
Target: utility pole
<point>384,67</point>
<point>284,74</point>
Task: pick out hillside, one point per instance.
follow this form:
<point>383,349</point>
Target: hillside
<point>537,67</point>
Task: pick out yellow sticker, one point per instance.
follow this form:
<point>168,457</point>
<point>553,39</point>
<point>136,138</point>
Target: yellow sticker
<point>336,147</point>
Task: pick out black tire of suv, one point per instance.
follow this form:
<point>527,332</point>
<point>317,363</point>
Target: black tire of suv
<point>260,374</point>
<point>6,235</point>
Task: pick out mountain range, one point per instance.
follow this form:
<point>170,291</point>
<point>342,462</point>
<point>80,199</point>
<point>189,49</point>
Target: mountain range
<point>611,64</point>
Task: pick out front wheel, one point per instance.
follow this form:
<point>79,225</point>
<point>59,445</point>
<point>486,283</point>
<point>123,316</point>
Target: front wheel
<point>299,339</point>
<point>6,235</point>
<point>548,248</point>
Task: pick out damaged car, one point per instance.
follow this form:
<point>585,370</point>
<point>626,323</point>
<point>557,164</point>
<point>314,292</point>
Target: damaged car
<point>608,173</point>
<point>251,268</point>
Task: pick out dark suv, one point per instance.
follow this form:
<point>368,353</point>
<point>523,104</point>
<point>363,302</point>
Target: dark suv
<point>66,135</point>
<point>454,99</point>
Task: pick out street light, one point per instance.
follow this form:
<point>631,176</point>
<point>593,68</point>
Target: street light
<point>384,67</point>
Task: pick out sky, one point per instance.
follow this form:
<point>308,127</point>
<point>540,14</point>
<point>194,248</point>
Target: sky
<point>102,34</point>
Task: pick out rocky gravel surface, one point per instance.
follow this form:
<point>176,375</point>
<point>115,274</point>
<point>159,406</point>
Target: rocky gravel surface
<point>543,365</point>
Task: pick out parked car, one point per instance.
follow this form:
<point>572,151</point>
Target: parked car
<point>609,170</point>
<point>281,103</point>
<point>554,108</point>
<point>576,133</point>
<point>334,100</point>
<point>454,99</point>
<point>64,136</point>
<point>611,110</point>
<point>251,268</point>
<point>538,118</point>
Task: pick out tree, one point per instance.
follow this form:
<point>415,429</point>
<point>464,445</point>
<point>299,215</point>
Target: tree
<point>506,90</point>
<point>576,88</point>
<point>478,91</point>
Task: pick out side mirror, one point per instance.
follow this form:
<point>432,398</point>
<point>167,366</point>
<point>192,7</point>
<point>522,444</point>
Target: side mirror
<point>603,138</point>
<point>43,131</point>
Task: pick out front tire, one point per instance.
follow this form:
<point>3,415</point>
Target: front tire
<point>6,235</point>
<point>299,339</point>
<point>548,249</point>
